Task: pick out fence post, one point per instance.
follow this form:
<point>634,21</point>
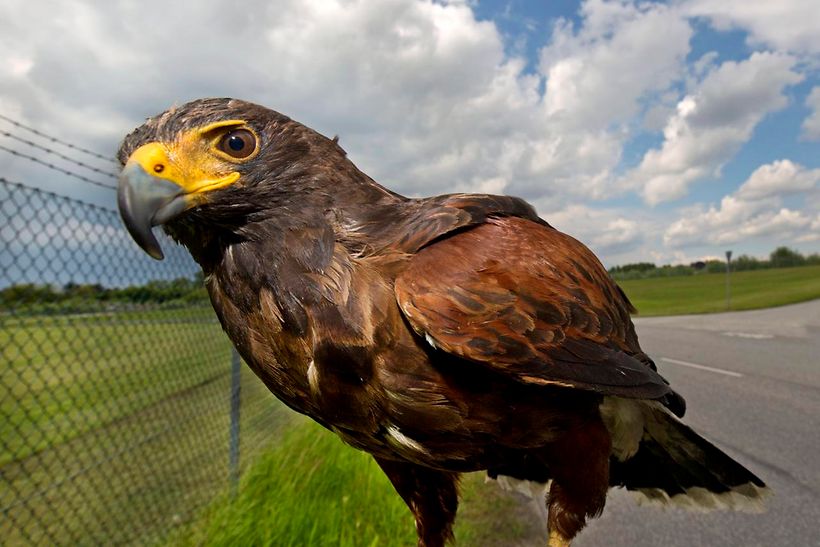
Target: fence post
<point>233,454</point>
<point>728,284</point>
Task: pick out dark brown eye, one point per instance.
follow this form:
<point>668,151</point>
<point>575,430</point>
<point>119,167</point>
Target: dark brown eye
<point>238,144</point>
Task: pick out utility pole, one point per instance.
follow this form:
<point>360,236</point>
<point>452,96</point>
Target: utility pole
<point>728,284</point>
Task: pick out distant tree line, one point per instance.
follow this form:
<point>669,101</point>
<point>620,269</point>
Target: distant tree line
<point>87,297</point>
<point>782,257</point>
<point>84,297</point>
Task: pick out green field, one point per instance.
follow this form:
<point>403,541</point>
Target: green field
<point>706,293</point>
<point>70,374</point>
<point>114,429</point>
<point>114,426</point>
<point>311,489</point>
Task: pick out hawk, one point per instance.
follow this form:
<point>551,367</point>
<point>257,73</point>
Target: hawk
<point>441,335</point>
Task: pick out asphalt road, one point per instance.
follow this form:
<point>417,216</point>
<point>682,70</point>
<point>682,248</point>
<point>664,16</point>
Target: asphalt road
<point>752,384</point>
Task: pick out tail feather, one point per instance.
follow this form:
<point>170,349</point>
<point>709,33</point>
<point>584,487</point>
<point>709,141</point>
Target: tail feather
<point>675,465</point>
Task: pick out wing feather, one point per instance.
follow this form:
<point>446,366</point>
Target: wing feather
<point>531,302</point>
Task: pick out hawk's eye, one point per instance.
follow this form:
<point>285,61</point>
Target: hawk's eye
<point>239,144</point>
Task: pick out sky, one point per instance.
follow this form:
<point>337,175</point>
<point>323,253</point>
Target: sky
<point>653,131</point>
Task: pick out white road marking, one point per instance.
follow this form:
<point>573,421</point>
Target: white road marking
<point>702,367</point>
<point>752,335</point>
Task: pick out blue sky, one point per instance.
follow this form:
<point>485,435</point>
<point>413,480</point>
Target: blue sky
<point>666,132</point>
<point>525,26</point>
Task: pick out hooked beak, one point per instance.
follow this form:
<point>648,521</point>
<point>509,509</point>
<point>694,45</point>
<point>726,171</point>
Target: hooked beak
<point>146,201</point>
<point>160,182</point>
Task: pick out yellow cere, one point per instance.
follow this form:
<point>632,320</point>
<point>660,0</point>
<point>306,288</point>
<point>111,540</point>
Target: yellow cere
<point>192,161</point>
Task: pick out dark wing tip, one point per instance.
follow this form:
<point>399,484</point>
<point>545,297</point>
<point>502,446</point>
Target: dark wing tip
<point>675,403</point>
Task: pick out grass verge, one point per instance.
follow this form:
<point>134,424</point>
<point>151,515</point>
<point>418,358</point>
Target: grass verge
<point>311,489</point>
<point>706,293</point>
<point>308,489</point>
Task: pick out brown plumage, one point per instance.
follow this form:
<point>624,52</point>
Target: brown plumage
<point>441,335</point>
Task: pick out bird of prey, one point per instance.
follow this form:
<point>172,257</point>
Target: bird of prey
<point>442,335</point>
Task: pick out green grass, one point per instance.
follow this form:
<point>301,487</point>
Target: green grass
<point>311,489</point>
<point>489,516</point>
<point>114,426</point>
<point>706,293</point>
<point>66,375</point>
<point>115,429</point>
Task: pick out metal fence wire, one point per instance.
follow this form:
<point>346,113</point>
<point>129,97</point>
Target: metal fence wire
<point>116,423</point>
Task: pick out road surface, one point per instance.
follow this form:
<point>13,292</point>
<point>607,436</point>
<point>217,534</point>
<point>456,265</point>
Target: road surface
<point>752,384</point>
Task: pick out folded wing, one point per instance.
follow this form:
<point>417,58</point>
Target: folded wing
<point>530,302</point>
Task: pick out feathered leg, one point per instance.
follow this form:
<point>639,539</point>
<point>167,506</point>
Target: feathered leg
<point>430,494</point>
<point>579,462</point>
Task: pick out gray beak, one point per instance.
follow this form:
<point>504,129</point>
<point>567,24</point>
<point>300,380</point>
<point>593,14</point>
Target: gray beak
<point>146,201</point>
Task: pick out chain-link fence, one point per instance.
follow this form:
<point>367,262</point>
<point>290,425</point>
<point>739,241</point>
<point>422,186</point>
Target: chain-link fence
<point>116,383</point>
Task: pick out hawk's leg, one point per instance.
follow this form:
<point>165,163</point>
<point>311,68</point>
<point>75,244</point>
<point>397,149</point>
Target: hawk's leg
<point>579,462</point>
<point>430,494</point>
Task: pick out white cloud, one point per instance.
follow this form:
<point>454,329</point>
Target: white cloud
<point>813,233</point>
<point>608,232</point>
<point>779,178</point>
<point>789,25</point>
<point>617,234</point>
<point>597,74</point>
<point>425,97</point>
<point>754,210</point>
<point>811,125</point>
<point>736,221</point>
<point>422,94</point>
<point>408,85</point>
<point>711,123</point>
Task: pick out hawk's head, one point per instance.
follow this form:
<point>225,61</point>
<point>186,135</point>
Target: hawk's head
<point>219,162</point>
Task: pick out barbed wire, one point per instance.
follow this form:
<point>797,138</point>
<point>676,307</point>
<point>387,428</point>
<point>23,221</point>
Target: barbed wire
<point>60,141</point>
<point>40,191</point>
<point>57,168</point>
<point>48,150</point>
